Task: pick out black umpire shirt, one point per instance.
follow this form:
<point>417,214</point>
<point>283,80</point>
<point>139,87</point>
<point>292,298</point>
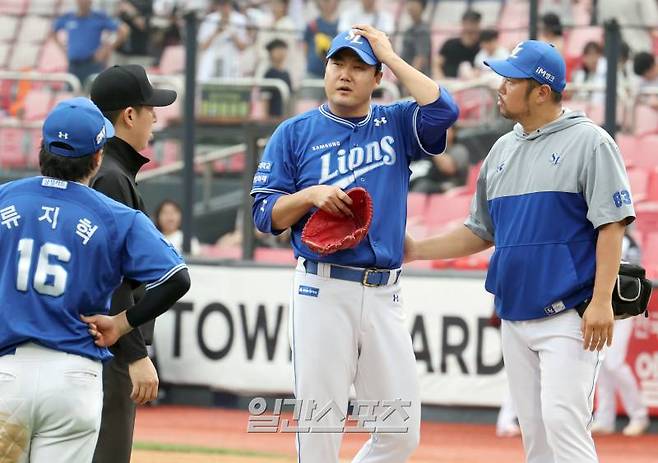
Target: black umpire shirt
<point>116,179</point>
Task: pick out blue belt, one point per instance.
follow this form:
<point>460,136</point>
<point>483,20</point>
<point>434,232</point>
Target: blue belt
<point>367,277</point>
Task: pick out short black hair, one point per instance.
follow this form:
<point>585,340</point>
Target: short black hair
<point>65,168</point>
<point>592,46</point>
<point>113,116</point>
<point>552,23</point>
<point>276,43</point>
<point>624,51</point>
<point>488,35</point>
<point>533,84</point>
<point>643,62</point>
<point>158,210</point>
<point>471,16</point>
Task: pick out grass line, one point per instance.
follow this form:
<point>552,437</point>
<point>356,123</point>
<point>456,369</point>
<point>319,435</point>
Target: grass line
<point>182,448</point>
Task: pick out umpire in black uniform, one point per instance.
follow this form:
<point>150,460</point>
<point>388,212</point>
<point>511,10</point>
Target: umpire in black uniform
<point>126,97</point>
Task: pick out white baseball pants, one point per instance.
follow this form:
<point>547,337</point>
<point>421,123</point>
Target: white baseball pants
<point>552,380</point>
<point>50,406</point>
<point>344,333</point>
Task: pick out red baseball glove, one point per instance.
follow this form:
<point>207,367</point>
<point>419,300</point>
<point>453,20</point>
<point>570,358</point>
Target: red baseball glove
<point>325,233</point>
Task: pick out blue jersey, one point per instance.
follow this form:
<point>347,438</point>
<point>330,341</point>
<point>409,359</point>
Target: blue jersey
<point>84,33</point>
<point>64,248</point>
<point>319,148</point>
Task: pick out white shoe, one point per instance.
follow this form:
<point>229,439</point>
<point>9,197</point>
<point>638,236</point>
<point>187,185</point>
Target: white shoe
<point>636,427</point>
<point>601,430</point>
<point>511,430</point>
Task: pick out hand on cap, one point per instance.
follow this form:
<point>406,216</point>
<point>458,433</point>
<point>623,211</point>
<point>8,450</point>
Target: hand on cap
<point>379,41</point>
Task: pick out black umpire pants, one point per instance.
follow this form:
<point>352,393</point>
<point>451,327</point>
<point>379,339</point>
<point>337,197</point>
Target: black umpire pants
<point>115,440</point>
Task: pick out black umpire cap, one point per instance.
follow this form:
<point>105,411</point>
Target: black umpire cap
<point>119,87</point>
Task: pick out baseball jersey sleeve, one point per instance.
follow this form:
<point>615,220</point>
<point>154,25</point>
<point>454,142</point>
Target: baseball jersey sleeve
<point>59,23</point>
<point>147,256</point>
<point>605,186</point>
<point>109,24</point>
<point>479,220</point>
<point>274,177</point>
<point>429,124</point>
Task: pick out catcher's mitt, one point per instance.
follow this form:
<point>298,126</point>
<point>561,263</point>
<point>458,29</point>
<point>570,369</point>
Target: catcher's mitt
<point>325,233</point>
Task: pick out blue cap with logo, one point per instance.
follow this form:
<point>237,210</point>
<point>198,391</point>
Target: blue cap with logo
<point>76,128</point>
<point>355,42</point>
<point>536,60</point>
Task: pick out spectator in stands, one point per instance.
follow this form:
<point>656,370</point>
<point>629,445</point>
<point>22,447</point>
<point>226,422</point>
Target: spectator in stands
<point>459,49</point>
<point>317,37</point>
<point>222,37</point>
<point>592,71</point>
<point>168,217</point>
<point>277,50</point>
<point>441,173</point>
<point>644,66</point>
<point>366,12</point>
<point>167,36</point>
<point>86,52</point>
<point>416,42</point>
<point>490,48</point>
<point>616,375</point>
<point>136,14</point>
<point>550,30</point>
<point>634,14</point>
<point>278,27</point>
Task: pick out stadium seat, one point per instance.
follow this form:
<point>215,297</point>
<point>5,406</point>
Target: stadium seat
<point>41,7</point>
<point>12,147</point>
<point>449,13</point>
<point>515,14</point>
<point>650,254</point>
<point>490,11</point>
<point>647,217</point>
<point>443,209</point>
<point>52,58</point>
<point>645,153</point>
<point>578,38</point>
<point>24,56</point>
<point>639,180</point>
<point>13,7</point>
<point>627,145</point>
<point>645,120</point>
<point>652,185</point>
<point>173,60</point>
<point>4,54</point>
<point>221,252</point>
<point>34,29</point>
<point>274,255</point>
<point>416,204</point>
<point>8,27</point>
<point>37,105</point>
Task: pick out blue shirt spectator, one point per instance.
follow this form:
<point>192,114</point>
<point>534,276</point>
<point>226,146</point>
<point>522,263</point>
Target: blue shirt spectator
<point>85,50</point>
<point>318,35</point>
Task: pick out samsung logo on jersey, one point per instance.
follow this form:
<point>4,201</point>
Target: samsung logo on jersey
<point>357,161</point>
<point>325,146</point>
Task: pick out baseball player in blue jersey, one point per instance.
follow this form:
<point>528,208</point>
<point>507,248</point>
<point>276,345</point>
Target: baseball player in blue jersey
<point>63,249</point>
<point>554,199</point>
<point>347,324</point>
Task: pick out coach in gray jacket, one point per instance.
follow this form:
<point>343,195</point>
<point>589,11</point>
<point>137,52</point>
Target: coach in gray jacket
<point>553,198</point>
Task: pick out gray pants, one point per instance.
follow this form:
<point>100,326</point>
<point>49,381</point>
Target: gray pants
<point>118,421</point>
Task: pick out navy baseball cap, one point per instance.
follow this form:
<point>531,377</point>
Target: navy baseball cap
<point>76,128</point>
<point>355,42</point>
<point>536,60</point>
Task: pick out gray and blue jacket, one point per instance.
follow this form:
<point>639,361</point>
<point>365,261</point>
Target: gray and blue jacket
<point>540,199</point>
